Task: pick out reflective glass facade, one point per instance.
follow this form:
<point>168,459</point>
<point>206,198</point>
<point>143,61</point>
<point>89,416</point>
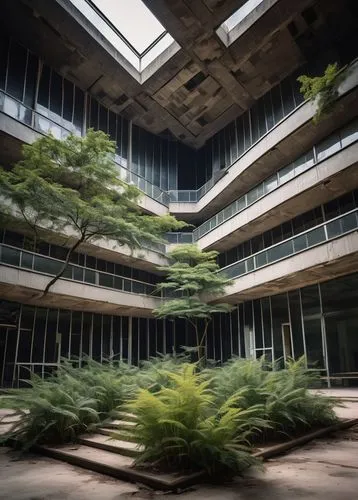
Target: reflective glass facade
<point>319,321</point>
<point>300,224</point>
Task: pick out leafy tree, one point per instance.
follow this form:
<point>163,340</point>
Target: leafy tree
<point>192,280</point>
<point>72,186</point>
<point>324,88</point>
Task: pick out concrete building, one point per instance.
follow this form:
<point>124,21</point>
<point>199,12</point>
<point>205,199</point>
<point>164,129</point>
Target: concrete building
<point>203,102</point>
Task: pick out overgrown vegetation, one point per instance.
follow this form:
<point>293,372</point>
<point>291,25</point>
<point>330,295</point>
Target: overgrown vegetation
<point>187,417</point>
<point>72,187</point>
<point>323,88</point>
<point>193,280</point>
<point>181,427</point>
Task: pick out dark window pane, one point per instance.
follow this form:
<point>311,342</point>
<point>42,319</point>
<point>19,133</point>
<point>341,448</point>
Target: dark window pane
<point>44,87</point>
<point>78,109</point>
<point>56,93</point>
<point>16,70</point>
<point>68,90</point>
<point>4,48</point>
<point>31,76</point>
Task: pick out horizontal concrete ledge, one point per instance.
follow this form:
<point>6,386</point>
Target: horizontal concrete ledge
<point>323,262</point>
<point>125,473</point>
<point>291,137</point>
<point>279,449</point>
<point>26,287</point>
<point>329,179</point>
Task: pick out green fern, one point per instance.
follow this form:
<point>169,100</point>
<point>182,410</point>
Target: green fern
<point>181,427</point>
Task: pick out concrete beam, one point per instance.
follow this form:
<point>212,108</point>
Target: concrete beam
<point>321,263</point>
<point>318,185</point>
<point>26,287</point>
<point>290,138</point>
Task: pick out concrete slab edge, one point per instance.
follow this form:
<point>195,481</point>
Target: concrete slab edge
<point>136,476</point>
<point>287,446</point>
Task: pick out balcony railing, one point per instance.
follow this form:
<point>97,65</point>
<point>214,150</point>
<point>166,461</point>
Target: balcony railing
<point>321,233</point>
<point>46,125</point>
<point>179,238</point>
<point>323,150</point>
<point>32,261</point>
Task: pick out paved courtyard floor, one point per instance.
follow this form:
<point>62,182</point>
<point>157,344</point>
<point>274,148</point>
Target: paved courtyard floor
<point>325,469</point>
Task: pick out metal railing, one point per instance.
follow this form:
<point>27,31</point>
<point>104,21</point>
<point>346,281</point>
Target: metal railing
<point>179,238</point>
<point>323,150</point>
<point>61,128</point>
<point>191,195</point>
<point>43,264</point>
<point>296,244</point>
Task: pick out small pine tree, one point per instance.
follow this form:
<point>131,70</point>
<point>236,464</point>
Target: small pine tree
<point>192,280</point>
<point>72,186</point>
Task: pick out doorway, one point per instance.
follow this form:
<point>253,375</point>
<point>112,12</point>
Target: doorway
<point>342,346</point>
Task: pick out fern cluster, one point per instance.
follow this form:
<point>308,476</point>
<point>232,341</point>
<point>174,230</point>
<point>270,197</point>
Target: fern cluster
<point>181,427</point>
<point>187,418</point>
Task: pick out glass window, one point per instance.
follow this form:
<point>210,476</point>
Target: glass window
<point>270,184</point>
<point>304,162</point>
<point>316,236</point>
<point>16,71</point>
<point>349,134</point>
<point>280,251</point>
<point>261,259</point>
<point>286,173</point>
<point>44,87</point>
<point>349,222</point>
<point>266,317</point>
<point>279,316</point>
<point>314,349</point>
<point>296,323</point>
<point>68,91</point>
<point>287,96</point>
<point>10,256</point>
<point>277,104</point>
<point>56,93</point>
<point>268,110</point>
<point>31,76</point>
<point>300,243</point>
<point>78,109</point>
<point>4,48</point>
<point>328,147</point>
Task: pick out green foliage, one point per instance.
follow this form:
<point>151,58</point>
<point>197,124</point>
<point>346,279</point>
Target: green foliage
<point>284,395</point>
<point>324,88</point>
<point>193,280</point>
<point>72,186</point>
<point>186,418</point>
<point>49,413</point>
<point>180,426</point>
<point>73,401</point>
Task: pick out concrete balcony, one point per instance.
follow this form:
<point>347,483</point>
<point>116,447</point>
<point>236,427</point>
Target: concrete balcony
<point>325,173</point>
<point>286,141</point>
<point>24,275</point>
<point>322,253</point>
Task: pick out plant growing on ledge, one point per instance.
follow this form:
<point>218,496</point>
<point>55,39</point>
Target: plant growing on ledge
<point>193,280</point>
<point>72,187</point>
<point>324,88</point>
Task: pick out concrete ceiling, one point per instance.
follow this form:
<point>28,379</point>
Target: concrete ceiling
<point>227,80</point>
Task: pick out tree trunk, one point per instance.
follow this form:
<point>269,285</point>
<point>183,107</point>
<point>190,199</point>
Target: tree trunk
<point>64,267</point>
<point>201,347</point>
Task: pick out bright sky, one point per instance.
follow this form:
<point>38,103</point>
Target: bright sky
<point>133,19</point>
